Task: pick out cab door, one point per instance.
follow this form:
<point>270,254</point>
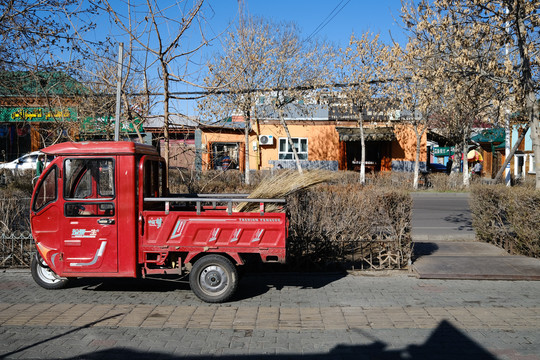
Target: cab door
<point>90,236</point>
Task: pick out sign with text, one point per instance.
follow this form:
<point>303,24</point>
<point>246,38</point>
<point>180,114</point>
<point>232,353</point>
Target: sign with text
<point>37,114</point>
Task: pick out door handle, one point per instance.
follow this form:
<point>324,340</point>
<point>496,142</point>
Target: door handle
<point>105,221</point>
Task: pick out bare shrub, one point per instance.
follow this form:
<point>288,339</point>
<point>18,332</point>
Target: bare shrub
<point>212,181</point>
<point>443,182</point>
<point>524,217</point>
<point>490,216</point>
<point>507,217</point>
<point>14,210</point>
<point>349,224</point>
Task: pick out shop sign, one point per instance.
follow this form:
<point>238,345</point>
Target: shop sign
<point>106,125</point>
<point>443,151</point>
<point>36,114</point>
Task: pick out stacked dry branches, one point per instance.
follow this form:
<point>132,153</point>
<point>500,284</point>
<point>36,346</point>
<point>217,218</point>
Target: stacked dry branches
<point>283,184</point>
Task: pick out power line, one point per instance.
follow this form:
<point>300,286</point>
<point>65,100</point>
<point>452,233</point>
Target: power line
<point>328,18</point>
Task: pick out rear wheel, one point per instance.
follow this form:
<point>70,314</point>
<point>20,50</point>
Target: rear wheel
<point>213,278</point>
<point>44,276</point>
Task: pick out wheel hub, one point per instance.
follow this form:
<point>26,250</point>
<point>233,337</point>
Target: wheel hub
<point>213,279</point>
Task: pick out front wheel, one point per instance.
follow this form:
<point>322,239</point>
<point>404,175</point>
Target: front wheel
<point>213,278</point>
<point>44,276</point>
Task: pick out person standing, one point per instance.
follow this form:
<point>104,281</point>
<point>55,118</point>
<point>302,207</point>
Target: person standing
<point>39,165</point>
<point>449,166</point>
<point>225,162</point>
<point>477,169</point>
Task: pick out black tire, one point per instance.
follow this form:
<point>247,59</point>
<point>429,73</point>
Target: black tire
<point>213,279</point>
<point>44,276</point>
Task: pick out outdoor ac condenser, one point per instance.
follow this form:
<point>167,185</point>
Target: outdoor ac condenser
<point>266,140</point>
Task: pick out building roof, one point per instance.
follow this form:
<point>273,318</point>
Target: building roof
<point>494,135</point>
<point>312,112</point>
<point>183,122</point>
<point>370,134</point>
<point>32,84</point>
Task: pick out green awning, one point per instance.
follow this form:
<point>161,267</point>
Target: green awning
<point>495,135</point>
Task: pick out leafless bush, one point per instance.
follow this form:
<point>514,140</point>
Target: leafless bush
<point>340,224</point>
<point>507,217</point>
<point>524,217</point>
<point>490,214</point>
<point>14,210</point>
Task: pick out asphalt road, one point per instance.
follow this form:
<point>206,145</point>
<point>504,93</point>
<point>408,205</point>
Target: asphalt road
<point>441,216</point>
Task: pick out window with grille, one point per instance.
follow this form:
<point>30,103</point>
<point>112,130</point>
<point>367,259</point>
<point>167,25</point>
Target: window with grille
<point>286,152</point>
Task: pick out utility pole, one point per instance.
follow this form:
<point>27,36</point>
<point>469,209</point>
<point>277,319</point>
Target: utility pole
<point>118,92</point>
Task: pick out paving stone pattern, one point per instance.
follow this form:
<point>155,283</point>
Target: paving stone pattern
<point>279,315</point>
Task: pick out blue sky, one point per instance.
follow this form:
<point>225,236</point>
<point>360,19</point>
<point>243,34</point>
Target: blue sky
<point>377,16</point>
<point>331,20</point>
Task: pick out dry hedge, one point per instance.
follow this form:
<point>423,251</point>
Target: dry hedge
<point>349,226</point>
<point>337,225</point>
<point>508,217</point>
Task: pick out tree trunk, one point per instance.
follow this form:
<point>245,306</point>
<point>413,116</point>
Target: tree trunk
<point>166,136</point>
<point>363,147</point>
<point>526,78</point>
<point>500,172</point>
<point>417,159</point>
<point>291,144</point>
<point>535,135</point>
<point>247,178</point>
<point>464,152</point>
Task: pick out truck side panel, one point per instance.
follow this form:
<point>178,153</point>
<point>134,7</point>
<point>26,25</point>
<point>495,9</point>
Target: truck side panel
<point>216,231</point>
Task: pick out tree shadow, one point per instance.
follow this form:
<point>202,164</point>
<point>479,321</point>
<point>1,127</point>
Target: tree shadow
<point>446,342</point>
<point>463,221</point>
<point>423,249</point>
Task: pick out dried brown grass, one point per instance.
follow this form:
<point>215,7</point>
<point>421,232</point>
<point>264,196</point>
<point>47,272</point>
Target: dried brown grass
<point>283,184</point>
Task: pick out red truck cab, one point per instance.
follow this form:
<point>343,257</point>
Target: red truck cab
<point>103,209</point>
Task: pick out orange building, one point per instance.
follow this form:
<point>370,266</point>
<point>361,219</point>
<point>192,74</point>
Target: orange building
<point>322,140</point>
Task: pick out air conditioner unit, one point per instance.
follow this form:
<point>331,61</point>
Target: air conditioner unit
<point>266,140</point>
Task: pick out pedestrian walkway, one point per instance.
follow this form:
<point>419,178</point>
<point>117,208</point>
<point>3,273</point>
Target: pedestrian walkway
<point>445,245</point>
<point>273,316</point>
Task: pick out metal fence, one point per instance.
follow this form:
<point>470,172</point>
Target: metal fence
<point>16,249</point>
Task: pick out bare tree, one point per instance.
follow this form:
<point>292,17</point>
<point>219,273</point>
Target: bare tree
<point>158,31</point>
<point>299,71</point>
<point>460,56</point>
<point>364,70</point>
<point>32,33</point>
<point>239,74</point>
<point>490,45</point>
<point>413,88</point>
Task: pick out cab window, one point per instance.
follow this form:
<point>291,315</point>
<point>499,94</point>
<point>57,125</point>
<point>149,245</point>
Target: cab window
<point>89,178</point>
<point>153,179</point>
<point>47,190</point>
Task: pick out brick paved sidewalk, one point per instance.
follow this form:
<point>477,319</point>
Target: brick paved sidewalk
<point>324,316</point>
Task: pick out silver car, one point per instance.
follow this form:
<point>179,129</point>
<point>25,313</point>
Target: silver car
<point>25,162</point>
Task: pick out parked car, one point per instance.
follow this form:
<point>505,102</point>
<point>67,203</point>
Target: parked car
<point>436,168</point>
<point>25,162</point>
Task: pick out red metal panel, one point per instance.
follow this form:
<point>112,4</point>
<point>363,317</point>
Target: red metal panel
<point>216,231</point>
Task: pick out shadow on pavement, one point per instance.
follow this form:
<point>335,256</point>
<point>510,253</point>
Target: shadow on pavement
<point>445,343</point>
<point>256,284</point>
<point>463,221</point>
<point>250,285</point>
<point>423,249</point>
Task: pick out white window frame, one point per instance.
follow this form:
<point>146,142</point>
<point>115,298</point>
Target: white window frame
<point>288,154</point>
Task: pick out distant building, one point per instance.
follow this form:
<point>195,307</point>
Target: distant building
<point>34,108</point>
<point>324,137</point>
